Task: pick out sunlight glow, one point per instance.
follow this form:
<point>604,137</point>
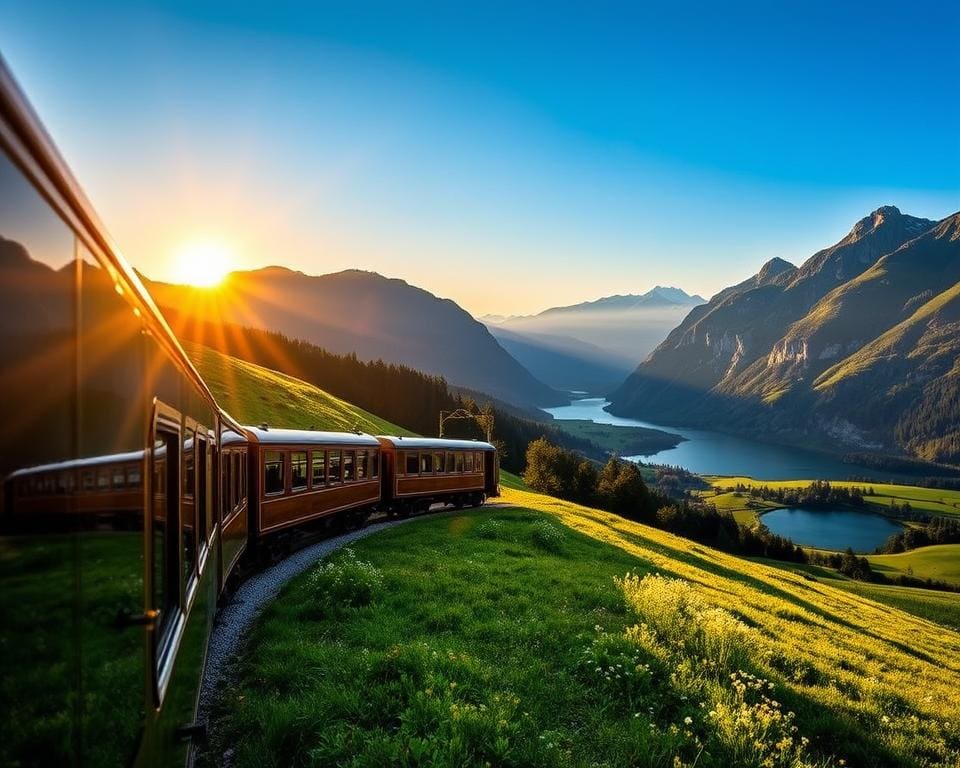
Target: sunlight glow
<point>203,263</point>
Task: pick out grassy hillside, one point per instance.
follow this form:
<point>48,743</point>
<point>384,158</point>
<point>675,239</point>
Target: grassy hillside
<point>933,500</point>
<point>740,505</point>
<point>520,647</point>
<point>939,562</point>
<point>253,394</point>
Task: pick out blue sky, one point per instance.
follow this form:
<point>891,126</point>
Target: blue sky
<point>511,157</point>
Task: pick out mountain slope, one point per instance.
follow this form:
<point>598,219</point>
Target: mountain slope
<point>851,346</point>
<point>563,362</point>
<point>371,316</point>
<point>625,327</point>
<point>253,394</point>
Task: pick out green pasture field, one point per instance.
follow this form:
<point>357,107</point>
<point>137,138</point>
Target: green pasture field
<point>513,635</point>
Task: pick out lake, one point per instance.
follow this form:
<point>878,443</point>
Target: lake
<point>715,453</point>
<point>831,529</point>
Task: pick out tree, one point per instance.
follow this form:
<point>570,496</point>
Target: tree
<point>621,489</point>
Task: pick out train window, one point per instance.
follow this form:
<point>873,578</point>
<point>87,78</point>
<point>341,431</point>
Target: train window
<point>242,465</point>
<point>362,466</point>
<point>374,464</point>
<point>119,478</point>
<point>88,482</point>
<point>189,468</point>
<point>319,468</point>
<point>459,462</point>
<point>133,477</point>
<point>165,511</point>
<point>349,466</point>
<point>298,470</point>
<point>238,491</point>
<point>273,472</point>
<point>188,509</point>
<point>202,507</point>
<point>413,463</point>
<point>103,480</point>
<point>426,463</point>
<point>451,461</point>
<point>438,462</point>
<point>479,462</point>
<point>226,467</point>
<point>333,468</point>
<point>468,462</point>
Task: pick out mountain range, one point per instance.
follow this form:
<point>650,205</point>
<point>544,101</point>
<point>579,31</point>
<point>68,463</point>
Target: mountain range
<point>593,345</point>
<point>858,348</point>
<point>369,315</point>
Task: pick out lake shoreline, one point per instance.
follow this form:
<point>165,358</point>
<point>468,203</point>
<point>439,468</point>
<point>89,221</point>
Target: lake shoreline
<point>706,452</point>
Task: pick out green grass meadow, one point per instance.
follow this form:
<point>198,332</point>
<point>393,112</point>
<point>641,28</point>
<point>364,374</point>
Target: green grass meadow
<point>940,562</point>
<point>513,635</point>
<point>934,500</point>
<point>254,394</point>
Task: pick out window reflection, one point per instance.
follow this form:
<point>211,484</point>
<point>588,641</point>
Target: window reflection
<point>38,455</point>
<point>272,472</point>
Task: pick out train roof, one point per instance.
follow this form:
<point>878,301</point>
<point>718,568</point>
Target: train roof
<point>437,443</point>
<point>271,436</point>
<point>90,461</point>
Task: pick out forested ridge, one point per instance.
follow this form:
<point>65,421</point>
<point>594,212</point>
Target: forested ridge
<point>397,393</point>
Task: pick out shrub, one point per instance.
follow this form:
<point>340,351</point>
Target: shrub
<point>346,582</point>
<point>676,620</point>
<point>752,727</point>
<point>492,529</point>
<point>548,536</point>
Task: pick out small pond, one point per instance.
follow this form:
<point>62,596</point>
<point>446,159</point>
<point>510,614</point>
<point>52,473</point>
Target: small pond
<point>831,528</point>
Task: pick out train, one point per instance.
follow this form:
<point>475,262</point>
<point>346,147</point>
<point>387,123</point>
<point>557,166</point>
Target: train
<point>132,502</point>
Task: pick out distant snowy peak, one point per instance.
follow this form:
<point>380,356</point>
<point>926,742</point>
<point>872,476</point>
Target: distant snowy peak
<point>658,297</point>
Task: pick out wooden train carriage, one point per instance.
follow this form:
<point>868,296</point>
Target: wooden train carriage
<point>419,471</point>
<point>100,490</point>
<point>300,476</point>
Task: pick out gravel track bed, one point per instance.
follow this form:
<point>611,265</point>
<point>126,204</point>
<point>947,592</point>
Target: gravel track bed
<point>235,618</point>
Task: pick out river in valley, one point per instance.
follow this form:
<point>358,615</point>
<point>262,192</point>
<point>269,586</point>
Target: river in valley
<point>715,453</point>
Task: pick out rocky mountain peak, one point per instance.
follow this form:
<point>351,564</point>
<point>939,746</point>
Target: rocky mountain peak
<point>772,268</point>
<point>875,220</point>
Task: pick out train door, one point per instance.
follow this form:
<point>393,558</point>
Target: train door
<point>164,545</point>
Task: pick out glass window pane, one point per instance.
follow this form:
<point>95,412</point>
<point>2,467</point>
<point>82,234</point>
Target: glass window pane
<point>451,462</point>
<point>298,470</point>
<point>273,481</point>
<point>226,503</point>
<point>319,468</point>
<point>374,464</point>
<point>362,467</point>
<point>413,463</point>
<point>459,466</point>
<point>333,475</point>
<point>189,468</point>
<point>468,462</point>
<point>39,633</point>
<point>426,463</point>
<point>438,462</point>
<point>349,457</point>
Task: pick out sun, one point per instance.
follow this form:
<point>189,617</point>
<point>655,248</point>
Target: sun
<point>203,263</point>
